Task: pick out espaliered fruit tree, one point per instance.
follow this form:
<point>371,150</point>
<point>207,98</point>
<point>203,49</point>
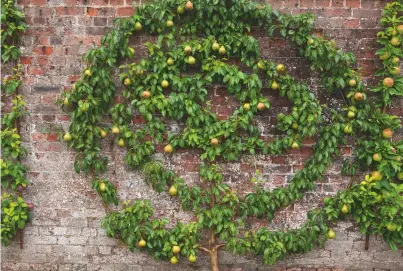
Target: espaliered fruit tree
<point>202,36</point>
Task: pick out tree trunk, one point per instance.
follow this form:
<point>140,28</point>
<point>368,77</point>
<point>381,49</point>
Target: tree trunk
<point>214,259</point>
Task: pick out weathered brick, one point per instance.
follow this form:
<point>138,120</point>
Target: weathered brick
<point>66,224</point>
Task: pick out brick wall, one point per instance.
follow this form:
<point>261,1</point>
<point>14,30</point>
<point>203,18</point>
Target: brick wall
<point>65,232</point>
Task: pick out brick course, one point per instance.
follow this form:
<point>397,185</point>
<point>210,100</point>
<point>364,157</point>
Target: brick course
<point>65,232</point>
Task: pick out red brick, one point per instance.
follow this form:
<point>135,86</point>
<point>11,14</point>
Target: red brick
<point>26,60</point>
<point>49,98</point>
<point>23,2</point>
<point>42,60</point>
<point>52,137</point>
<point>92,11</point>
<point>346,151</point>
<point>290,3</point>
<point>38,137</point>
<point>39,2</point>
<point>323,3</point>
<point>49,118</point>
<point>337,12</point>
<point>307,3</point>
<point>278,180</point>
<point>43,40</point>
<point>337,3</point>
<point>137,119</point>
<point>33,70</point>
<point>43,50</point>
<point>118,3</point>
<point>353,3</point>
<point>125,12</point>
<point>63,117</point>
<point>352,23</point>
<point>278,159</point>
<point>190,167</point>
<point>49,146</point>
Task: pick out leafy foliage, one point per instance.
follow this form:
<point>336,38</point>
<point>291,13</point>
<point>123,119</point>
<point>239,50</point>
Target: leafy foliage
<point>14,211</point>
<point>14,214</point>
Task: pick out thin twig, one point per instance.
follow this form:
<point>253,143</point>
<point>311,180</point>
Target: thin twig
<point>367,241</point>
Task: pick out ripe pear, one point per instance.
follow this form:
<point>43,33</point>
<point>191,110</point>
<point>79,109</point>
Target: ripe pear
<point>395,41</point>
<point>127,82</point>
<point>274,86</point>
<point>191,60</point>
<point>180,10</point>
<point>192,258</point>
<point>145,94</point>
<point>115,130</point>
<point>214,141</point>
<point>391,226</point>
<point>103,133</point>
<point>102,187</point>
<point>395,60</point>
<point>348,129</point>
<point>121,142</point>
<point>138,26</point>
<point>261,106</point>
<point>352,83</point>
<point>388,82</point>
<point>222,50</point>
<point>189,5</point>
<point>358,96</point>
<point>280,68</point>
<point>164,84</point>
<point>351,114</point>
<point>387,133</point>
<point>260,65</point>
<point>67,137</point>
<point>170,61</point>
<point>142,243</point>
<point>173,191</point>
<point>345,209</point>
<point>168,148</point>
<point>170,23</point>
<point>174,260</point>
<point>188,49</point>
<point>384,56</point>
<point>376,175</point>
<point>176,249</point>
<point>331,234</point>
<point>377,157</point>
<point>215,46</point>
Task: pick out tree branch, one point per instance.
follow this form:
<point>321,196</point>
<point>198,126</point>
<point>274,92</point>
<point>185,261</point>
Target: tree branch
<point>218,246</point>
<point>205,249</point>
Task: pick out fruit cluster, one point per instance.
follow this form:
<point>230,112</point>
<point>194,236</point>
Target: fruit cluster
<point>159,88</point>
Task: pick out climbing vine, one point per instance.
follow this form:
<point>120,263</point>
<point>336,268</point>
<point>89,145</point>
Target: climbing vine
<point>14,211</point>
<point>164,86</point>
